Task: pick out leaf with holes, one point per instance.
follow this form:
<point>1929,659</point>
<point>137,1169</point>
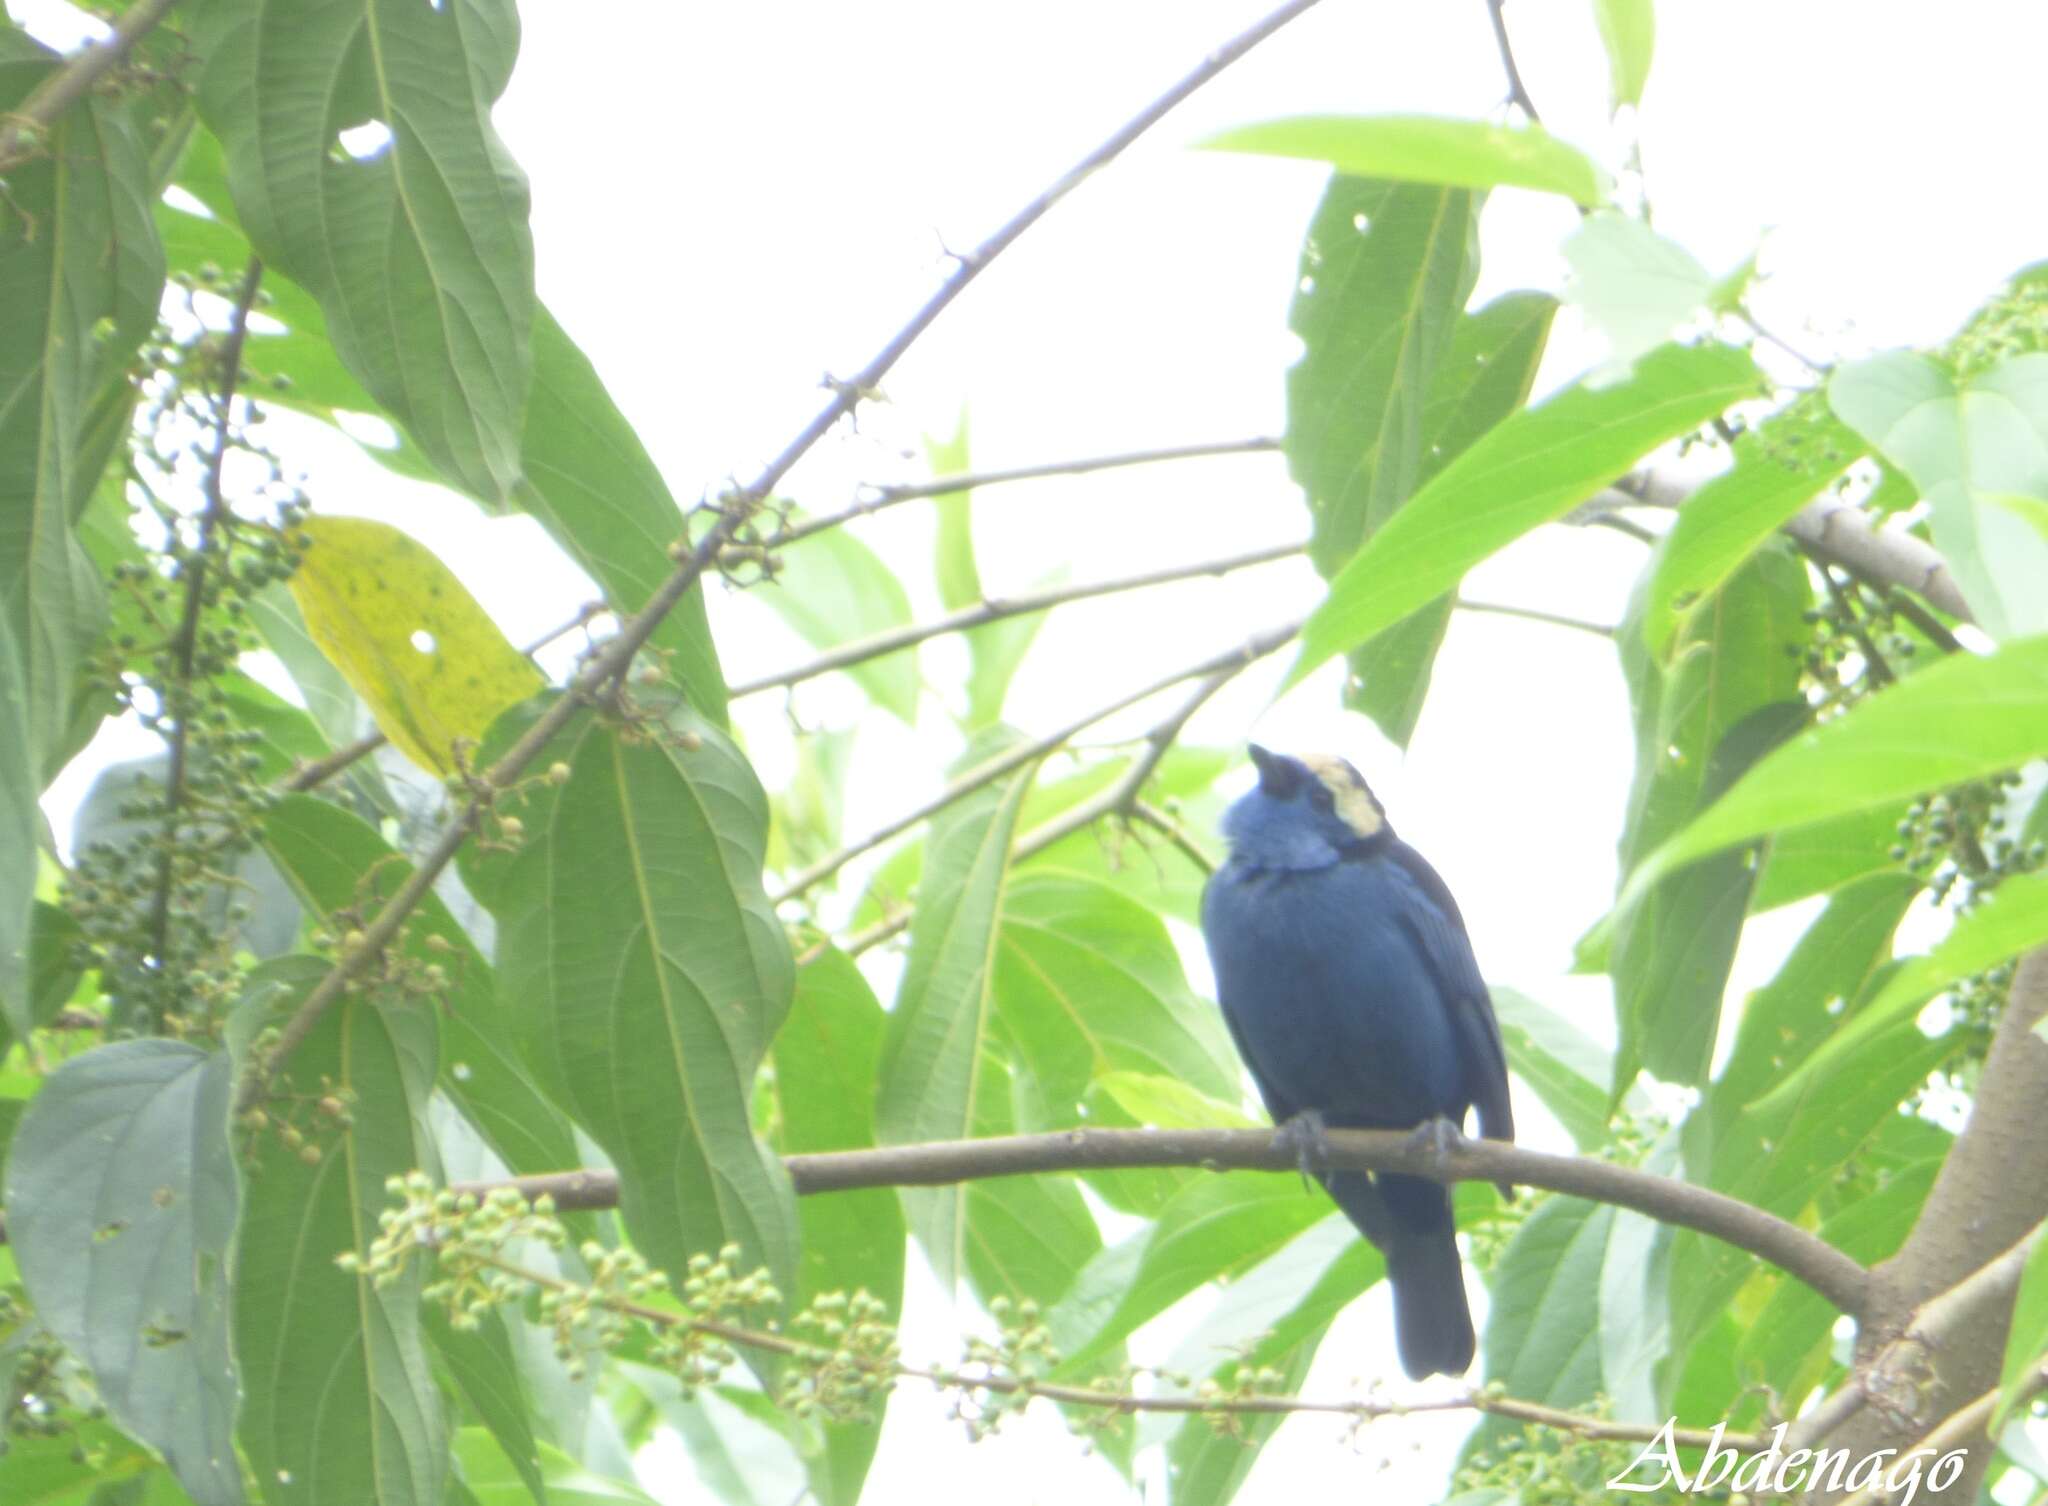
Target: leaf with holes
<point>418,648</point>
<point>121,1204</point>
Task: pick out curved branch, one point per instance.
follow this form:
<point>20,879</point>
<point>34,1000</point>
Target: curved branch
<point>995,608</point>
<point>995,768</point>
<point>1792,1249</point>
<point>22,128</point>
<point>941,486</point>
<point>1518,92</point>
<point>734,512</point>
<point>1119,798</point>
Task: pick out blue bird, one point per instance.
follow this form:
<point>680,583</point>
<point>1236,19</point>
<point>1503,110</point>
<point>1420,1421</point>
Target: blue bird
<point>1349,985</point>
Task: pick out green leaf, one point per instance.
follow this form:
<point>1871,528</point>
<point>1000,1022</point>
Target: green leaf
<point>2027,1340</point>
<point>339,1401</point>
<point>1634,286</point>
<point>1963,444</point>
<point>1385,272</point>
<point>2014,919</point>
<point>1821,858</point>
<point>593,486</point>
<point>834,590</point>
<point>1023,1238</point>
<point>1779,466</point>
<point>1952,722</point>
<point>1731,695</point>
<point>334,861</point>
<point>407,635</point>
<point>1628,30</point>
<point>1215,1228</point>
<point>121,1202</point>
<point>1274,1316</point>
<point>492,1479</point>
<point>934,1052</point>
<point>80,275</point>
<point>419,253</point>
<point>1165,1103</point>
<point>1087,982</point>
<point>1542,1340</point>
<point>1530,469</point>
<point>645,972</point>
<point>826,1057</point>
<point>78,1467</point>
<point>1427,149</point>
<point>478,1365</point>
<point>1566,1068</point>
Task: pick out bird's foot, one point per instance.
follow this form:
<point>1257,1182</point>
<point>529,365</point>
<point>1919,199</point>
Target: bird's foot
<point>1436,1137</point>
<point>1308,1137</point>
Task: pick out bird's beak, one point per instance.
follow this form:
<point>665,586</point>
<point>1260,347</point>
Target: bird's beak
<point>1276,777</point>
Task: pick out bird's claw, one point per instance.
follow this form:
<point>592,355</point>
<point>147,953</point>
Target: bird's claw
<point>1436,1137</point>
<point>1307,1136</point>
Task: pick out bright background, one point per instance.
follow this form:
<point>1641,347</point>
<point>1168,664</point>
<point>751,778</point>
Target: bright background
<point>731,201</point>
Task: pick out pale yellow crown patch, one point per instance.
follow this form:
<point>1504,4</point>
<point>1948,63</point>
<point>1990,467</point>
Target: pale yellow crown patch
<point>1353,801</point>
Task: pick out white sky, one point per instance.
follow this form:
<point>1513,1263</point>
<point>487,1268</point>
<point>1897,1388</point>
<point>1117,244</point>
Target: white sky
<point>731,200</point>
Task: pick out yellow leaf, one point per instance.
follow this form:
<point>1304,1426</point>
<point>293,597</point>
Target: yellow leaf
<point>403,631</point>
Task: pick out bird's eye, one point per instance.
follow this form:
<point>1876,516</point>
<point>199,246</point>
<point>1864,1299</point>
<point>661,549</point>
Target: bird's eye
<point>1320,797</point>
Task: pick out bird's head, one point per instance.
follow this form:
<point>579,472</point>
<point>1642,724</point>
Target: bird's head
<point>1306,812</point>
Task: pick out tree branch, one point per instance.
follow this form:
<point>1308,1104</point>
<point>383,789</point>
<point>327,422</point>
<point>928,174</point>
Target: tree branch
<point>734,511</point>
<point>1792,1249</point>
<point>1518,93</point>
<point>185,642</point>
<point>993,769</point>
<point>1533,614</point>
<point>995,608</point>
<point>21,129</point>
<point>1119,798</point>
<point>886,496</point>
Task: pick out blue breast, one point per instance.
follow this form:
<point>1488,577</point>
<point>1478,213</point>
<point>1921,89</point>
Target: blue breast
<point>1332,1000</point>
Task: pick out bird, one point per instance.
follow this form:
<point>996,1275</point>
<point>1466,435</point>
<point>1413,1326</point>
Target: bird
<point>1349,985</point>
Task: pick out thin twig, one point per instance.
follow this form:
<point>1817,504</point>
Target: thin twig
<point>735,510</point>
<point>990,770</point>
<point>1175,833</point>
<point>979,1378</point>
<point>185,644</point>
<point>1880,669</point>
<point>1796,1251</point>
<point>886,496</point>
<point>1518,93</point>
<point>996,608</point>
<point>312,775</point>
<point>1534,614</point>
<point>22,128</point>
<point>1116,800</point>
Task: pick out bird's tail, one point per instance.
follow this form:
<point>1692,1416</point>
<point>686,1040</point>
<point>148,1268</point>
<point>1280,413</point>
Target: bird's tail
<point>1409,1218</point>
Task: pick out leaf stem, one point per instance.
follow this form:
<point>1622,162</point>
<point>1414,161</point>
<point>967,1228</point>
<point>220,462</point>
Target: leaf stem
<point>21,129</point>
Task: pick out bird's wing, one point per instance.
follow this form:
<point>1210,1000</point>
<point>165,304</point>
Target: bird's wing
<point>1439,931</point>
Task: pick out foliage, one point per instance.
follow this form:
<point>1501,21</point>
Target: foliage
<point>253,1025</point>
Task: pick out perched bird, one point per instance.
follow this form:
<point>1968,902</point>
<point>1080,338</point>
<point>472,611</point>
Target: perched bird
<point>1350,987</point>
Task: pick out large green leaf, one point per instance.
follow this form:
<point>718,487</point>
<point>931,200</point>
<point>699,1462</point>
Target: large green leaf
<point>1566,1068</point>
<point>593,486</point>
<point>334,862</point>
<point>1732,693</point>
<point>121,1203</point>
<point>419,251</point>
<point>80,275</point>
<point>1215,1228</point>
<point>936,1046</point>
<point>1427,149</point>
<point>1779,466</point>
<point>1944,725</point>
<point>1530,469</point>
<point>1543,1340</point>
<point>1385,272</point>
<point>1274,1316</point>
<point>1819,859</point>
<point>1971,448</point>
<point>1023,1238</point>
<point>833,589</point>
<point>1634,286</point>
<point>339,1401</point>
<point>478,1366</point>
<point>645,972</point>
<point>825,1064</point>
